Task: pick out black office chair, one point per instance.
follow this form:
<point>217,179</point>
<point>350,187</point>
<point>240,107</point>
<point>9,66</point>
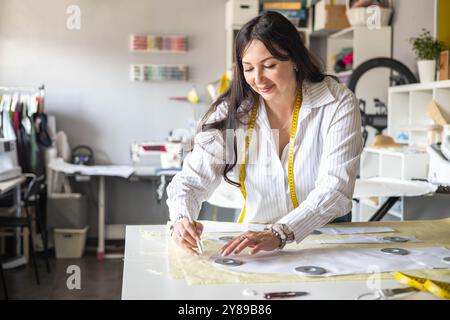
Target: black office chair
<point>22,222</point>
<point>2,279</point>
<point>33,197</point>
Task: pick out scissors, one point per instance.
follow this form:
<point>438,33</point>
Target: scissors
<point>385,294</point>
<point>285,294</point>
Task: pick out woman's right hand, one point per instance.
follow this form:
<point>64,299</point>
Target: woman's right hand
<point>186,234</point>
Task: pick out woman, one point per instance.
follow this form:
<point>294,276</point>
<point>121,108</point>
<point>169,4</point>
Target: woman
<point>297,168</point>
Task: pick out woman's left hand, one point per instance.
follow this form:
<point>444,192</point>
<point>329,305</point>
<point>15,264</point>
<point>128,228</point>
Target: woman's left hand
<point>256,240</point>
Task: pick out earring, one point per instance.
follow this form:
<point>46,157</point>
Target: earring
<point>295,69</point>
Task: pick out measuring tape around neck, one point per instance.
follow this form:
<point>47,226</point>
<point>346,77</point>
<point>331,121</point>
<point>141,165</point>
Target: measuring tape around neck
<point>248,137</point>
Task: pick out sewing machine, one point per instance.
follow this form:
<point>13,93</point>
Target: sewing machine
<point>149,156</point>
<point>9,167</point>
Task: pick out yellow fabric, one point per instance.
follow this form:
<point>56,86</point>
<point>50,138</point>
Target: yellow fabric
<point>200,271</point>
<point>224,83</point>
<point>444,22</point>
<point>192,96</point>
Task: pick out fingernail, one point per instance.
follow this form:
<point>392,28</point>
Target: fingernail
<point>223,254</point>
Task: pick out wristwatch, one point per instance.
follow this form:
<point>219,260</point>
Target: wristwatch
<point>283,233</point>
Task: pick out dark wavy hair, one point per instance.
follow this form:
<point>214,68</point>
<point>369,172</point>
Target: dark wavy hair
<point>284,42</point>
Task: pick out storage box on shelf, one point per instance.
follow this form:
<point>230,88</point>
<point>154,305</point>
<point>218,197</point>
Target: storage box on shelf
<point>70,243</point>
<point>237,13</point>
<point>359,17</point>
<point>330,17</point>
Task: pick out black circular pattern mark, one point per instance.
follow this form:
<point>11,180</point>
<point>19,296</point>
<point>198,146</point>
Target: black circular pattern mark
<point>226,238</point>
<point>229,262</point>
<point>396,239</point>
<point>311,270</point>
<point>396,251</point>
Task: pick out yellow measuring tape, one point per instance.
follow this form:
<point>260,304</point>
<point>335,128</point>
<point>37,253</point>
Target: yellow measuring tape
<point>438,288</point>
<point>248,137</point>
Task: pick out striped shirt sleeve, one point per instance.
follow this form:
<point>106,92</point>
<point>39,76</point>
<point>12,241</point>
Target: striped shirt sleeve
<point>339,163</point>
<point>201,173</point>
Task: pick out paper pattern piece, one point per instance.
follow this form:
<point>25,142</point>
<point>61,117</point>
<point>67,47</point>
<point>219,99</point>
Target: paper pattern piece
<point>226,227</point>
<point>60,165</point>
<point>359,239</point>
<point>339,230</point>
<point>200,270</point>
<point>339,261</point>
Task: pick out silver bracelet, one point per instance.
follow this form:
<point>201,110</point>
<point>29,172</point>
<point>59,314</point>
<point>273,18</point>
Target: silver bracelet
<point>172,226</point>
<point>283,233</point>
<point>279,237</point>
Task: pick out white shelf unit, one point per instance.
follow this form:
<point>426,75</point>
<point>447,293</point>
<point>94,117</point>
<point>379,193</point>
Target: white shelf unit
<point>367,44</point>
<point>403,163</point>
<point>407,106</point>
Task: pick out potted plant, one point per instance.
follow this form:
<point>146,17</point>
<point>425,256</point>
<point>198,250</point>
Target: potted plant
<point>427,50</point>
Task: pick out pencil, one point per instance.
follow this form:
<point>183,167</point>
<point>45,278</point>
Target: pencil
<point>199,243</point>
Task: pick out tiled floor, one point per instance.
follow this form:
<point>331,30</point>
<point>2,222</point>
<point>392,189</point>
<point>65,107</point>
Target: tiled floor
<point>99,280</point>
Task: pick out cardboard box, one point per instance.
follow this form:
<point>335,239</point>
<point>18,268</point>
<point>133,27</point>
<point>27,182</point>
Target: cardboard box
<point>444,61</point>
<point>330,16</point>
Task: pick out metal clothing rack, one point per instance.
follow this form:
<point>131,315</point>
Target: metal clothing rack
<point>23,89</point>
<point>26,89</point>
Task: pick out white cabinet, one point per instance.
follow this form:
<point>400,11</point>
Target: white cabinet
<point>403,163</point>
<point>407,108</point>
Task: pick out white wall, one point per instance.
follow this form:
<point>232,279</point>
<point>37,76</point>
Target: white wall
<point>410,16</point>
<point>86,73</point>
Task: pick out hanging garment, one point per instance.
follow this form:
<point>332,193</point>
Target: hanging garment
<point>42,129</point>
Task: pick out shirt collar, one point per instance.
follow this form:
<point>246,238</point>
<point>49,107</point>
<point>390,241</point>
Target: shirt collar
<point>316,94</point>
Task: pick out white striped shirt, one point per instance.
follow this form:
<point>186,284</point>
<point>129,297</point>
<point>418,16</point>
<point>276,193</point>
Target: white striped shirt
<point>328,145</point>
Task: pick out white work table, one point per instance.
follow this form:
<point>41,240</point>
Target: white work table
<point>102,171</point>
<point>146,276</point>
